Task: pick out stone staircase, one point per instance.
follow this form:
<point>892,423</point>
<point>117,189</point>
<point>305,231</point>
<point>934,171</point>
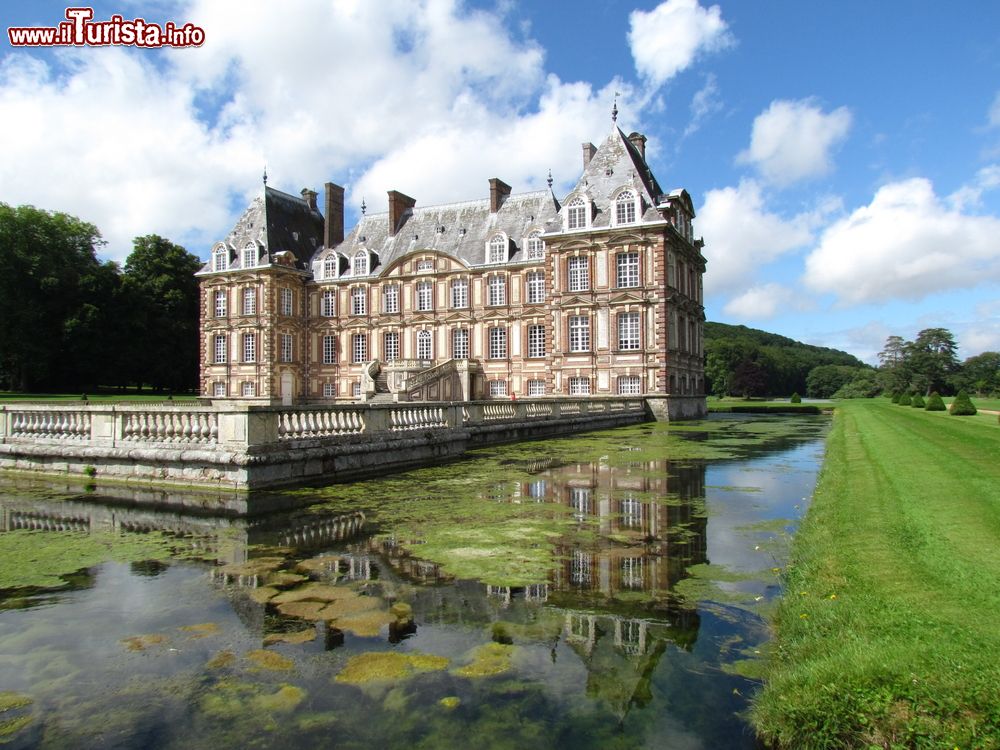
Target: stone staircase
<point>382,393</point>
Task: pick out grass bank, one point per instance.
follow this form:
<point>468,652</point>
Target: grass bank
<point>889,631</point>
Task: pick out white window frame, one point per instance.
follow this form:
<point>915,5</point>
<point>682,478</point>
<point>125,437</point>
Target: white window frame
<point>498,342</point>
<point>390,346</point>
<point>536,341</point>
<point>425,296</point>
<point>577,214</point>
<point>359,300</point>
<point>287,347</point>
<point>629,330</point>
<point>359,348</point>
<point>425,345</point>
<point>219,389</point>
<point>250,256</point>
<point>579,386</point>
<point>497,249</point>
<point>359,263</point>
<point>627,270</point>
<point>329,349</point>
<point>498,388</point>
<point>534,287</point>
<point>459,294</point>
<point>249,300</point>
<point>496,285</point>
<point>221,298</point>
<point>629,385</point>
<point>356,388</point>
<point>249,388</point>
<point>460,343</point>
<point>220,258</point>
<point>536,387</point>
<point>249,347</point>
<point>535,246</point>
<point>221,350</point>
<point>330,267</point>
<point>329,390</point>
<point>578,273</point>
<point>390,298</point>
<point>425,265</point>
<point>287,301</point>
<point>579,333</point>
<point>625,208</point>
<point>328,303</point>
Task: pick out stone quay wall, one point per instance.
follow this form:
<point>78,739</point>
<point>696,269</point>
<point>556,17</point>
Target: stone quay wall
<point>234,446</point>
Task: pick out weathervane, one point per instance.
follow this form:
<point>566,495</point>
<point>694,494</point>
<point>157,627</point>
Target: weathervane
<point>265,175</point>
<point>550,179</point>
<point>363,206</point>
<point>614,108</point>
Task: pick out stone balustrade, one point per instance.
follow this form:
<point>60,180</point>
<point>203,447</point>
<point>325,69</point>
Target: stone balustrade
<point>245,446</point>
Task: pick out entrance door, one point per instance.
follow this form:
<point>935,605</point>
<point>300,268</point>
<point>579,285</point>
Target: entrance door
<point>287,385</point>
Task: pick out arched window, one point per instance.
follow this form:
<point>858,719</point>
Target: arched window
<point>330,267</point>
<point>424,345</point>
<point>625,207</point>
<point>250,256</point>
<point>359,266</point>
<point>220,258</point>
<point>576,214</point>
<point>498,249</point>
<point>536,248</point>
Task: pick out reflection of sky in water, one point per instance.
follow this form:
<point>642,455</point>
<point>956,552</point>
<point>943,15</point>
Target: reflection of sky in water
<point>739,495</point>
<point>612,659</point>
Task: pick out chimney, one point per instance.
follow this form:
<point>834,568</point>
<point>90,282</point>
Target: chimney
<point>309,196</point>
<point>638,141</point>
<point>589,149</point>
<point>499,190</point>
<point>398,204</point>
<point>333,228</point>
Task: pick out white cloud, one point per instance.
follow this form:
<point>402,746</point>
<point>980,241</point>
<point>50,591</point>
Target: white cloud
<point>667,39</point>
<point>422,96</point>
<point>970,196</point>
<point>704,104</point>
<point>741,235</point>
<point>994,114</point>
<point>763,302</point>
<point>792,140</point>
<point>905,244</point>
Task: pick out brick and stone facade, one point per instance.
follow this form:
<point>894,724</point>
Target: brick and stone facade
<point>509,296</point>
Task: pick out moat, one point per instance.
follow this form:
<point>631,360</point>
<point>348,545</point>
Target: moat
<point>610,590</point>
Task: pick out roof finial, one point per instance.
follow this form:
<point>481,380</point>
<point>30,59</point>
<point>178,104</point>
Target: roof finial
<point>614,108</point>
<point>550,179</point>
<point>363,206</point>
<point>265,175</point>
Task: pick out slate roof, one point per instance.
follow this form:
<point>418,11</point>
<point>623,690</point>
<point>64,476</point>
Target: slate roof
<point>460,230</point>
<point>277,222</point>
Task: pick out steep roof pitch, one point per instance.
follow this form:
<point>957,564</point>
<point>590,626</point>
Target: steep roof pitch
<point>277,222</point>
<point>615,165</point>
<point>461,230</point>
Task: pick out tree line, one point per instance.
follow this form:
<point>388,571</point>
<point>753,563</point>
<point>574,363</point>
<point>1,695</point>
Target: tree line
<point>72,322</point>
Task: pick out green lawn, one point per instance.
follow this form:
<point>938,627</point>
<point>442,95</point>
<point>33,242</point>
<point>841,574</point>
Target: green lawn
<point>889,631</point>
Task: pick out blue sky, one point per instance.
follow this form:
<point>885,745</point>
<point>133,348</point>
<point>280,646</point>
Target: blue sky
<point>844,159</point>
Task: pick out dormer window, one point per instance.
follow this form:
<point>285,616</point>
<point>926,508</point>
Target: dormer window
<point>535,246</point>
<point>497,251</point>
<point>359,264</point>
<point>250,256</point>
<point>330,267</point>
<point>625,208</point>
<point>220,258</point>
<point>576,214</point>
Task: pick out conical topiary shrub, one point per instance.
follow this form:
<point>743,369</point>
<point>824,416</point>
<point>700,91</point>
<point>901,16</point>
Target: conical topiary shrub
<point>917,402</point>
<point>934,402</point>
<point>796,398</point>
<point>895,397</point>
<point>962,406</point>
<point>904,400</point>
